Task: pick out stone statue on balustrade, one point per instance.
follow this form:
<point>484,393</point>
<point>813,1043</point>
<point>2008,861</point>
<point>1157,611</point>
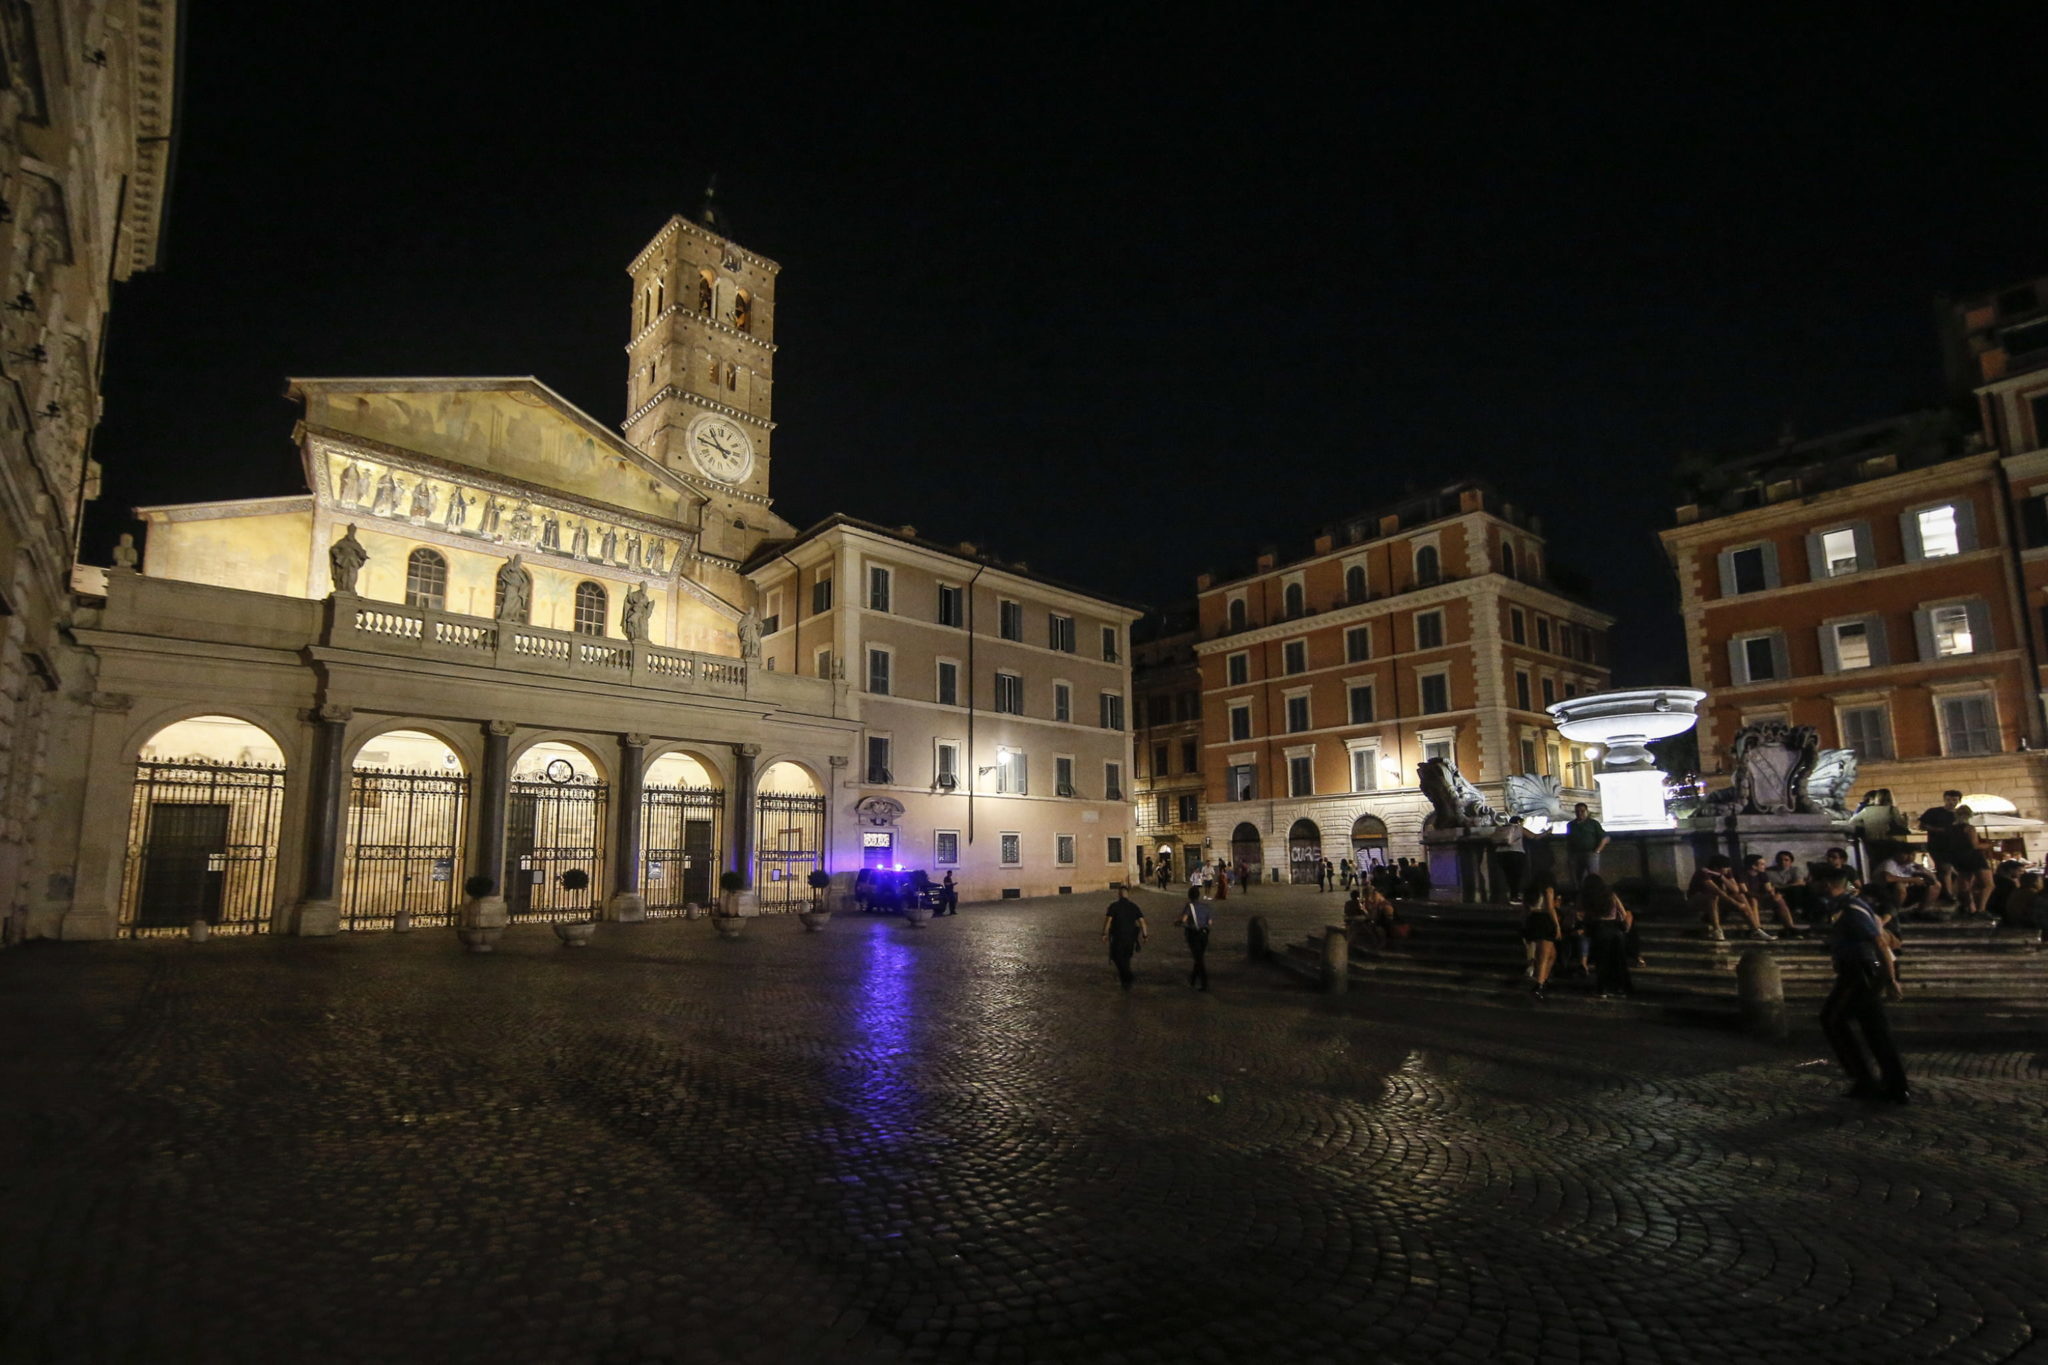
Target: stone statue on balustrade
<point>345,559</point>
<point>513,588</point>
<point>750,637</point>
<point>125,555</point>
<point>633,617</point>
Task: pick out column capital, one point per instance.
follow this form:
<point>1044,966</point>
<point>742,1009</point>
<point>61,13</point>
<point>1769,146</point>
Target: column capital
<point>837,760</point>
<point>113,702</point>
<point>747,750</point>
<point>635,741</point>
<point>331,714</point>
<point>501,728</point>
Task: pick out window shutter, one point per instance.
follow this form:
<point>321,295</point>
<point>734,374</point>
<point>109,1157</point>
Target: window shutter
<point>1816,561</point>
<point>1923,634</point>
<point>1966,525</point>
<point>1738,674</point>
<point>1781,659</point>
<point>1770,548</point>
<point>1830,659</point>
<point>1866,547</point>
<point>1880,650</point>
<point>1909,538</point>
<point>1727,573</point>
<point>1980,628</point>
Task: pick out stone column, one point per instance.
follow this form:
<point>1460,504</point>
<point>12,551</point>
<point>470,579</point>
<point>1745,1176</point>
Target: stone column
<point>491,790</point>
<point>319,911</point>
<point>627,904</point>
<point>744,818</point>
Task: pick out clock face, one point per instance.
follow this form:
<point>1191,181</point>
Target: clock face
<point>721,448</point>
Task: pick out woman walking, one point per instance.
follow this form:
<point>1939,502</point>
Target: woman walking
<point>1541,930</point>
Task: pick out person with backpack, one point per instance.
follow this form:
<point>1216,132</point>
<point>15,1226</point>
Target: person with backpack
<point>1195,922</point>
<point>1866,975</point>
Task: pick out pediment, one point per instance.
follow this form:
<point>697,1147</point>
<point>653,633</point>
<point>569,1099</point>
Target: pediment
<point>518,429</point>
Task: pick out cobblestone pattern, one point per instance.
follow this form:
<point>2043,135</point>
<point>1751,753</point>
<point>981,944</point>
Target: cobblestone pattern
<point>958,1143</point>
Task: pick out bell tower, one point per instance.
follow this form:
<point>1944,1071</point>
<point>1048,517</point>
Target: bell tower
<point>700,368</point>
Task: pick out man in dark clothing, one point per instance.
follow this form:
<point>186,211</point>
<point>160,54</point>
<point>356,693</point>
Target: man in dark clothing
<point>1866,974</point>
<point>1123,929</point>
<point>1939,824</point>
<point>1584,837</point>
<point>1195,922</point>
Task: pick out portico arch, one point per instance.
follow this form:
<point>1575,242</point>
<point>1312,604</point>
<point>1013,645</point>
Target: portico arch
<point>555,829</point>
<point>683,846</point>
<point>408,799</point>
<point>1304,851</point>
<point>1368,840</point>
<point>1246,848</point>
<point>789,839</point>
<point>205,812</point>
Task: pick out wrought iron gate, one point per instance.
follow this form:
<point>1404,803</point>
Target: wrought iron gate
<point>202,844</point>
<point>681,851</point>
<point>404,847</point>
<point>552,828</point>
<point>789,845</point>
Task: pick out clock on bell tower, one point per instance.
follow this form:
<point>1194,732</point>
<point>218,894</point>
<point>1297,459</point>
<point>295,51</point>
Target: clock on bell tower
<point>701,363</point>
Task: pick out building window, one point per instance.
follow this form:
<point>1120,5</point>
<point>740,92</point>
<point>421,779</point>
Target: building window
<point>1237,669</point>
<point>1365,770</point>
<point>1851,644</point>
<point>1518,629</point>
<point>1543,632</point>
<point>1358,644</point>
<point>1838,554</point>
<point>952,606</point>
<point>946,847</point>
<point>821,596</point>
<point>1010,620</point>
<point>949,683</point>
<point>878,760</point>
<point>525,613</point>
<point>1293,600</point>
<point>1436,693</point>
<point>1522,690</point>
<point>1354,583</point>
<point>1360,698</point>
<point>1063,850</point>
<point>1190,808</point>
<point>1059,632</point>
<point>1062,702</point>
<point>1939,533</point>
<point>878,588</point>
<point>1240,722</point>
<point>1428,565</point>
<point>1301,776</point>
<point>1753,568</point>
<point>1758,658</point>
<point>1159,757</point>
<point>1237,613</point>
<point>1011,846</point>
<point>1112,781</point>
<point>1429,630</point>
<point>1949,629</point>
<point>1969,725</point>
<point>945,765</point>
<point>1063,776</point>
<point>1241,782</point>
<point>824,663</point>
<point>1507,559</point>
<point>1529,756</point>
<point>1012,773</point>
<point>1294,656</point>
<point>589,609</point>
<point>1162,807</point>
<point>1010,694</point>
<point>1190,758</point>
<point>1549,692</point>
<point>426,580</point>
<point>878,672</point>
<point>1297,715</point>
<point>1116,850</point>
<point>1112,645</point>
<point>1112,710</point>
<point>1867,731</point>
<point>1438,749</point>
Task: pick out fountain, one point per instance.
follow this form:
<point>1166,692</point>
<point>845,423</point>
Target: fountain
<point>1624,724</point>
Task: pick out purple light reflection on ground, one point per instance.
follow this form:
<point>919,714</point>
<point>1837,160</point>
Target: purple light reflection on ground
<point>885,1016</point>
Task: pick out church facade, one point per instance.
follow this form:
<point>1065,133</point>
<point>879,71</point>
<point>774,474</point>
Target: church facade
<point>493,640</point>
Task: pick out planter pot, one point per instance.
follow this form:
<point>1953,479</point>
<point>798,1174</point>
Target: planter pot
<point>199,931</point>
<point>479,940</point>
<point>401,923</point>
<point>814,920</point>
<point>728,926</point>
<point>575,935</point>
<point>917,915</point>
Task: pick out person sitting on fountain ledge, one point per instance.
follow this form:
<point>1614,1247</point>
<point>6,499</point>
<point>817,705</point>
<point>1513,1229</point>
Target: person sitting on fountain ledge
<point>1714,886</point>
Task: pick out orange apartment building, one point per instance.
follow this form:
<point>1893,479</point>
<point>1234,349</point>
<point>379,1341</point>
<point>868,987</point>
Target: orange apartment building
<point>1868,584</point>
<point>1166,682</point>
<point>1426,629</point>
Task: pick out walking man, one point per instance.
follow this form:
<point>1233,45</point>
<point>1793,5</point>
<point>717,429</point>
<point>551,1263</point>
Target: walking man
<point>1866,975</point>
<point>1123,929</point>
<point>1584,838</point>
<point>1195,921</point>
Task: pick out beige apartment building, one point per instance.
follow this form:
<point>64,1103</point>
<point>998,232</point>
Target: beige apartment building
<point>1166,678</point>
<point>1427,629</point>
<point>993,702</point>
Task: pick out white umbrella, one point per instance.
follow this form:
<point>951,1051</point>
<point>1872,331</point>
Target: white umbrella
<point>1995,823</point>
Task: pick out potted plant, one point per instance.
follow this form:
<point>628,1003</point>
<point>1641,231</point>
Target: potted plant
<point>198,930</point>
<point>818,916</point>
<point>575,933</point>
<point>725,916</point>
<point>482,917</point>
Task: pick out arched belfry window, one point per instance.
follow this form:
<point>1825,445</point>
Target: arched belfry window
<point>1354,583</point>
<point>426,580</point>
<point>742,311</point>
<point>526,604</point>
<point>590,608</point>
<point>1295,599</point>
<point>1237,613</point>
<point>1507,559</point>
<point>1428,567</point>
<point>704,292</point>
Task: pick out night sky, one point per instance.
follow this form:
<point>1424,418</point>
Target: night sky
<point>1127,295</point>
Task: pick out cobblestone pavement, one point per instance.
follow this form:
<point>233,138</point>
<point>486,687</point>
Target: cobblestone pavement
<point>958,1143</point>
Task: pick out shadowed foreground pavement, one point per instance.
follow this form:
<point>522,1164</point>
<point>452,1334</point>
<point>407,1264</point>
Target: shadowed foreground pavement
<point>961,1143</point>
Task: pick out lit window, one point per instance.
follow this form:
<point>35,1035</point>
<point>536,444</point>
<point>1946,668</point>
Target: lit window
<point>1951,626</point>
<point>1838,552</point>
<point>1852,644</point>
<point>1011,772</point>
<point>590,609</point>
<point>1938,534</point>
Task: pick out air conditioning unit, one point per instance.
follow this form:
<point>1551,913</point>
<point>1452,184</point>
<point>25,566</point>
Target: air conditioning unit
<point>945,782</point>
